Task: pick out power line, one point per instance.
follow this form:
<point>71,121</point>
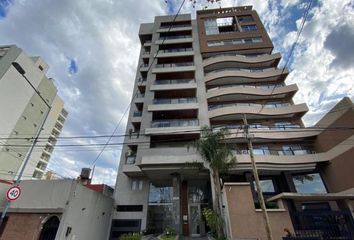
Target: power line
<point>294,44</point>
<point>136,92</point>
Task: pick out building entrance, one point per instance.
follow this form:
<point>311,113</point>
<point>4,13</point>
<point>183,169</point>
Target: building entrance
<point>195,219</point>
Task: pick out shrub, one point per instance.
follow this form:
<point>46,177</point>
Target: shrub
<point>131,236</point>
<point>213,220</point>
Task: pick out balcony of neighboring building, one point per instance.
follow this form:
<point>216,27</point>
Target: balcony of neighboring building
<point>44,157</point>
<point>171,100</point>
<point>168,38</point>
<point>250,92</point>
<point>48,149</point>
<point>175,26</point>
<point>41,166</point>
<point>230,60</point>
<point>174,81</point>
<point>175,50</point>
<point>58,126</point>
<point>64,113</point>
<point>174,64</point>
<point>235,111</point>
<point>244,76</point>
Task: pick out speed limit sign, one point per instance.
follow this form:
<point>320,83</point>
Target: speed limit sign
<point>13,193</point>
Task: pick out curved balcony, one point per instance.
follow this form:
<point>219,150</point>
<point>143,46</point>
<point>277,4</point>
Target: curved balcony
<point>290,160</point>
<point>233,60</point>
<point>248,92</point>
<point>255,111</point>
<point>276,133</point>
<point>242,76</point>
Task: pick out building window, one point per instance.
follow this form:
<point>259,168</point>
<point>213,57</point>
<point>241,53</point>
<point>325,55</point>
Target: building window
<point>235,41</point>
<point>309,183</point>
<point>160,194</point>
<point>267,186</point>
<point>137,184</point>
<point>160,209</point>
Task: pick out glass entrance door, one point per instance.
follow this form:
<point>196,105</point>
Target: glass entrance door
<point>195,219</point>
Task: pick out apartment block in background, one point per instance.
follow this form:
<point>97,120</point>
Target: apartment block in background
<point>22,111</point>
<point>213,71</point>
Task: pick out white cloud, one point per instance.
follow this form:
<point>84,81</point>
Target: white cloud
<point>102,37</point>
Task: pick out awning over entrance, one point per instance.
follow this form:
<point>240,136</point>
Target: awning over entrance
<point>312,196</point>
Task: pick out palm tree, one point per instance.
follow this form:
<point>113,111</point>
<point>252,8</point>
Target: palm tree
<point>214,150</point>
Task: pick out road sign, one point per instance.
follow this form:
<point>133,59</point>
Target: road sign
<point>13,193</point>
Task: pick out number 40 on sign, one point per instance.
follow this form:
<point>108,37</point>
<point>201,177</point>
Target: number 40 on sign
<point>13,193</point>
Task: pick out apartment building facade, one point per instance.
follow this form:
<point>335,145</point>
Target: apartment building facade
<point>22,112</point>
<point>214,71</point>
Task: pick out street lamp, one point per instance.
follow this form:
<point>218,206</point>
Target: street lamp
<point>21,71</point>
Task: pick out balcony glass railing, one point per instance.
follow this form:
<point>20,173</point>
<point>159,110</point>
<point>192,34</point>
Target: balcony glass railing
<point>175,123</point>
<point>137,114</point>
<point>144,65</point>
<point>174,81</point>
<point>269,105</point>
<point>140,95</point>
<point>146,53</point>
<point>241,70</point>
<point>176,26</point>
<point>266,86</point>
<point>260,126</point>
<point>130,159</point>
<point>141,79</point>
<point>174,100</point>
<point>175,37</point>
<point>170,65</point>
<point>237,55</point>
<point>274,152</point>
<point>176,50</point>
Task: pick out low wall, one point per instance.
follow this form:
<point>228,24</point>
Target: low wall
<point>245,222</point>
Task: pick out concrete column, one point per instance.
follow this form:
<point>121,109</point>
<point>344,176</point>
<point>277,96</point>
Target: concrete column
<point>176,202</point>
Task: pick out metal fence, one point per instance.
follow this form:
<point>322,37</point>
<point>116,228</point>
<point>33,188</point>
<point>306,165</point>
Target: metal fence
<point>322,226</point>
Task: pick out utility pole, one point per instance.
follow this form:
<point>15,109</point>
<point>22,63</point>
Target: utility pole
<point>256,179</point>
<point>35,140</point>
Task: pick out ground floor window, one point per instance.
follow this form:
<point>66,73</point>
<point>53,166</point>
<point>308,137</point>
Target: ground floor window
<point>160,212</point>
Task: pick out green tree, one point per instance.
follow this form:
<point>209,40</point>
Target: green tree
<point>214,150</point>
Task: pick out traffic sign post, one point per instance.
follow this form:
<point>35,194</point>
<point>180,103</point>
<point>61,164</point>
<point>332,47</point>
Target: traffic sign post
<point>13,193</point>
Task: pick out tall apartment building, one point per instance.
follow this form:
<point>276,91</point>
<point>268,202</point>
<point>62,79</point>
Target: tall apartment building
<point>213,71</point>
<point>22,111</point>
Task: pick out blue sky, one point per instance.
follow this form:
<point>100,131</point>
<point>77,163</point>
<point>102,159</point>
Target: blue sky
<point>92,48</point>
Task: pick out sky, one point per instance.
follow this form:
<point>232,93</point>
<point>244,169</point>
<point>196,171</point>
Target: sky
<point>92,48</point>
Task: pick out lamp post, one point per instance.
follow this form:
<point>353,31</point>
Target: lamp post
<point>21,71</point>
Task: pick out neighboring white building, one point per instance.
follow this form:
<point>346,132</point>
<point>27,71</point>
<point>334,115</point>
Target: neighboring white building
<point>57,209</point>
<point>22,112</point>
